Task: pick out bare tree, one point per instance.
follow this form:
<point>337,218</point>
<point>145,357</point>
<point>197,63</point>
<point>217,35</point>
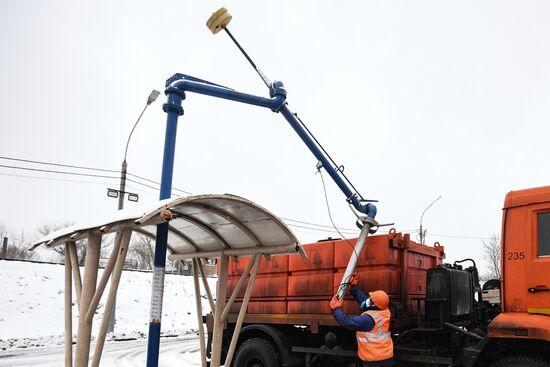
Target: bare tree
<point>47,228</point>
<point>491,253</point>
<point>18,247</point>
<point>107,243</point>
<point>142,250</point>
<point>81,246</point>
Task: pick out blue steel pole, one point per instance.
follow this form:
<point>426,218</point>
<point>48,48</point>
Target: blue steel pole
<point>173,109</point>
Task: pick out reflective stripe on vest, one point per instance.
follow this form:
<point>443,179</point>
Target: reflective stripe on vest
<point>369,336</point>
<point>376,345</point>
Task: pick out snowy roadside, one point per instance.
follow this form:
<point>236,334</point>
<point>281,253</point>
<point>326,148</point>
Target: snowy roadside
<point>59,340</point>
<point>175,352</point>
<point>32,300</point>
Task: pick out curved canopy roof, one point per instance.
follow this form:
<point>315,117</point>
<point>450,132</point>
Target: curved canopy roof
<point>201,225</point>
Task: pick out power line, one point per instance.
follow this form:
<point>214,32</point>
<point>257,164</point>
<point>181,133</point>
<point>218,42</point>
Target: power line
<point>351,231</point>
<point>79,167</point>
<point>320,225</point>
<point>337,230</point>
<point>59,172</point>
<point>143,178</point>
<point>346,230</point>
<point>142,184</point>
<point>71,173</point>
<point>80,181</point>
<point>320,229</point>
<point>131,187</point>
<point>155,182</point>
<point>57,164</point>
<point>54,179</point>
<point>461,237</point>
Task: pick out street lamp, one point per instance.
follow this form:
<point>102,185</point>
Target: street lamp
<point>122,190</point>
<point>113,193</point>
<point>422,231</point>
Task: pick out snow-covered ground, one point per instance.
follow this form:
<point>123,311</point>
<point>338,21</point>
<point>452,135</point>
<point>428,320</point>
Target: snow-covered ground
<point>32,300</point>
<point>174,352</point>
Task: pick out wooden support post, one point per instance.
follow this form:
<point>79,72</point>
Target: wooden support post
<point>237,289</point>
<point>76,270</point>
<point>199,311</point>
<point>68,308</point>
<point>206,285</point>
<point>88,289</point>
<point>120,257</point>
<point>221,292</point>
<point>242,312</point>
<point>104,279</point>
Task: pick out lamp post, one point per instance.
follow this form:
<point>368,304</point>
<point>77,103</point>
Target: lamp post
<point>121,192</point>
<point>422,234</point>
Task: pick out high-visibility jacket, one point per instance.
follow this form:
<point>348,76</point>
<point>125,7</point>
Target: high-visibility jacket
<point>376,345</point>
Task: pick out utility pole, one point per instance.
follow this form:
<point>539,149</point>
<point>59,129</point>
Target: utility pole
<point>122,189</point>
<point>121,193</point>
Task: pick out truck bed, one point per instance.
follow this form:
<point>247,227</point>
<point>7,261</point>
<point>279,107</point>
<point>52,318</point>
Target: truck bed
<point>289,290</point>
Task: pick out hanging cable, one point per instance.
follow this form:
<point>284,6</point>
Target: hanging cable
<point>330,215</point>
<point>340,168</point>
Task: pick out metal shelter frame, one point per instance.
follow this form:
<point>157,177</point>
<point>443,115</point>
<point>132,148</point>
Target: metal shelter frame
<point>201,226</point>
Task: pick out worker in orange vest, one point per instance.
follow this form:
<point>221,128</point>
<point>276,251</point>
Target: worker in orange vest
<point>374,343</point>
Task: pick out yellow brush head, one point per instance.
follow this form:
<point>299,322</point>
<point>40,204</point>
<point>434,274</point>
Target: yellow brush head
<point>219,20</point>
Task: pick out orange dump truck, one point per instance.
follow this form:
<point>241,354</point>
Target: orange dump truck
<point>441,316</point>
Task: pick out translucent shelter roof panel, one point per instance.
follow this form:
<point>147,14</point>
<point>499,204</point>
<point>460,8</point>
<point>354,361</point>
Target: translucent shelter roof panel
<point>197,224</point>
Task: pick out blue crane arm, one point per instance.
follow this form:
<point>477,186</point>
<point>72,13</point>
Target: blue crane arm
<point>181,83</point>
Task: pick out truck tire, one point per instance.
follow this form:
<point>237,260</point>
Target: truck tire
<point>520,361</point>
<point>256,352</point>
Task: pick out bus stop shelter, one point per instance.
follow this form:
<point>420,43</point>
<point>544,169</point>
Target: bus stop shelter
<point>201,226</point>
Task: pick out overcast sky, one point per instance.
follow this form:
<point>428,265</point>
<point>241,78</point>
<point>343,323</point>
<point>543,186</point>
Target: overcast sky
<point>416,100</point>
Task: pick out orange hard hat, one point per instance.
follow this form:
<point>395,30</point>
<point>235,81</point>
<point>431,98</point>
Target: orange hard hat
<point>380,299</point>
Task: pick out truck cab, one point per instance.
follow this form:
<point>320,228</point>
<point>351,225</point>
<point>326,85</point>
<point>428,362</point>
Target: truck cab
<point>522,330</point>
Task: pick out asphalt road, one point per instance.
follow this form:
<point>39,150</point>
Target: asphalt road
<point>181,351</point>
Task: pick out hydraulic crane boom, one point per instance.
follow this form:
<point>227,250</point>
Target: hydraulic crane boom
<point>277,103</point>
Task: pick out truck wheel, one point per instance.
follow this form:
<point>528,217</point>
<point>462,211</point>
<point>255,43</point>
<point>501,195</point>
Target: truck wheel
<point>520,361</point>
<point>256,352</point>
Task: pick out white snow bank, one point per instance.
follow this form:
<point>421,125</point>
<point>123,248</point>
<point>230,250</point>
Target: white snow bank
<point>32,304</point>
